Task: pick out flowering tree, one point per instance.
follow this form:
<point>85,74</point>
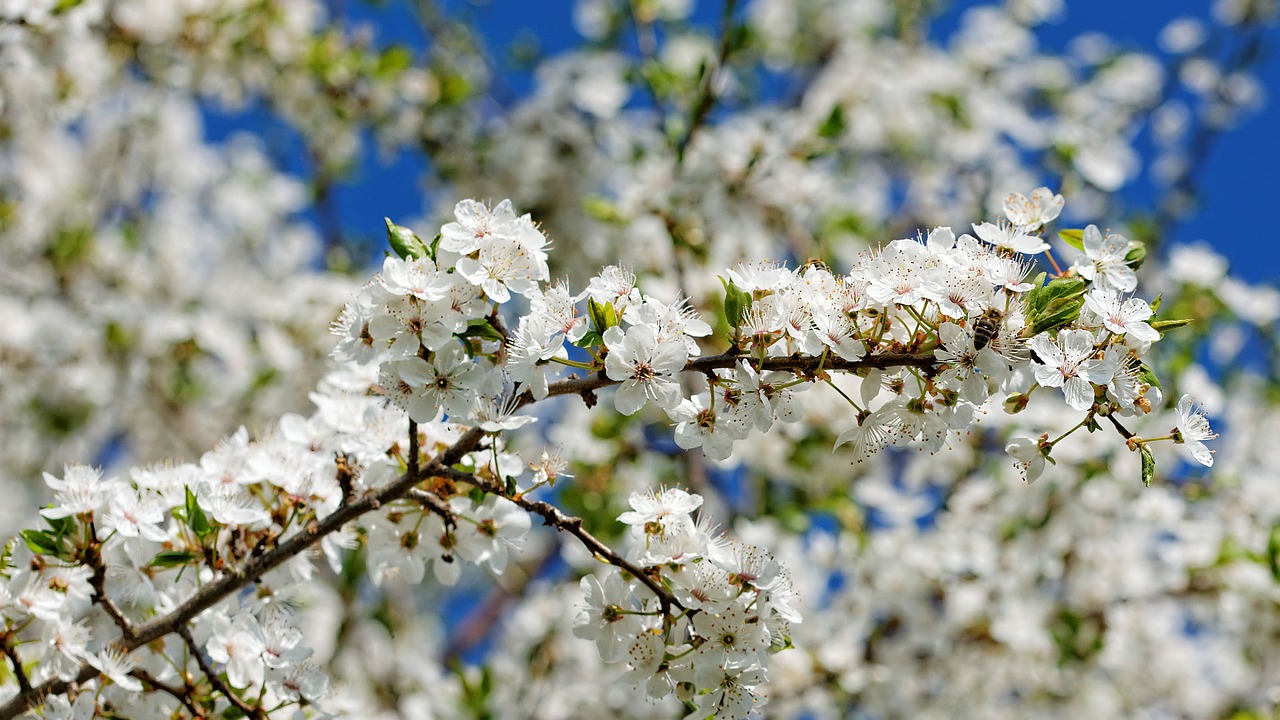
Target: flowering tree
<point>682,405</point>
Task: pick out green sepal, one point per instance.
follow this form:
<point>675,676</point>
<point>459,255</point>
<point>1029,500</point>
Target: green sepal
<point>1155,304</point>
<point>1073,237</point>
<point>1137,254</point>
<point>1148,464</point>
<point>173,558</point>
<point>405,242</point>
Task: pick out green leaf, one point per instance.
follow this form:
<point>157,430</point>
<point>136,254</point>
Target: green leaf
<point>393,60</point>
<point>736,303</point>
<point>1073,237</point>
<point>1055,304</point>
<point>1170,324</point>
<point>41,543</point>
<point>173,558</point>
<point>603,316</point>
<point>1148,465</point>
<point>603,209</point>
<point>1148,376</point>
<point>591,338</point>
<point>834,125</point>
<point>195,517</point>
<point>1155,304</point>
<point>405,242</point>
<point>1273,552</point>
<point>61,527</point>
<point>482,328</point>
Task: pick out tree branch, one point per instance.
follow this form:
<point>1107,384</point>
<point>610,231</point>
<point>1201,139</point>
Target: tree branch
<point>312,532</point>
<point>254,568</point>
<point>250,711</point>
<point>553,516</point>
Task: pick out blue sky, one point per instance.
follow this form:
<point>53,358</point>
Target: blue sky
<point>1241,177</point>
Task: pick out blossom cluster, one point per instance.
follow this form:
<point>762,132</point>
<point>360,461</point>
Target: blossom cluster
<point>407,462</point>
<point>736,606</point>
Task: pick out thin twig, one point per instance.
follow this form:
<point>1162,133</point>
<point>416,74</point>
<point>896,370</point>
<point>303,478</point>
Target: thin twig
<point>234,578</point>
<point>249,710</point>
<point>98,582</point>
<point>182,695</point>
<point>553,516</point>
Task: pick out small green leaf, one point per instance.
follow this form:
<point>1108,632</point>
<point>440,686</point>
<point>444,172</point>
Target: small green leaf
<point>1146,375</point>
<point>405,242</point>
<point>603,209</point>
<point>736,303</point>
<point>173,558</point>
<point>1155,304</point>
<point>1055,304</point>
<point>603,316</point>
<point>393,60</point>
<point>1148,465</point>
<point>833,126</point>
<point>195,517</point>
<point>591,338</point>
<point>1073,237</point>
<point>41,543</point>
<point>1273,552</point>
<point>61,527</point>
<point>1170,324</point>
<point>482,328</point>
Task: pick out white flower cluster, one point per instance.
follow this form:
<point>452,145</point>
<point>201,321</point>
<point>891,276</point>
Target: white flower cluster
<point>736,606</point>
<point>931,327</point>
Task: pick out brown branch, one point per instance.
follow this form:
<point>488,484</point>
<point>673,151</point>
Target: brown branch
<point>553,516</point>
<point>432,502</point>
<point>98,582</point>
<point>414,450</point>
<point>1121,428</point>
<point>231,580</point>
<point>234,579</point>
<point>800,364</point>
<point>250,711</point>
<point>181,694</point>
